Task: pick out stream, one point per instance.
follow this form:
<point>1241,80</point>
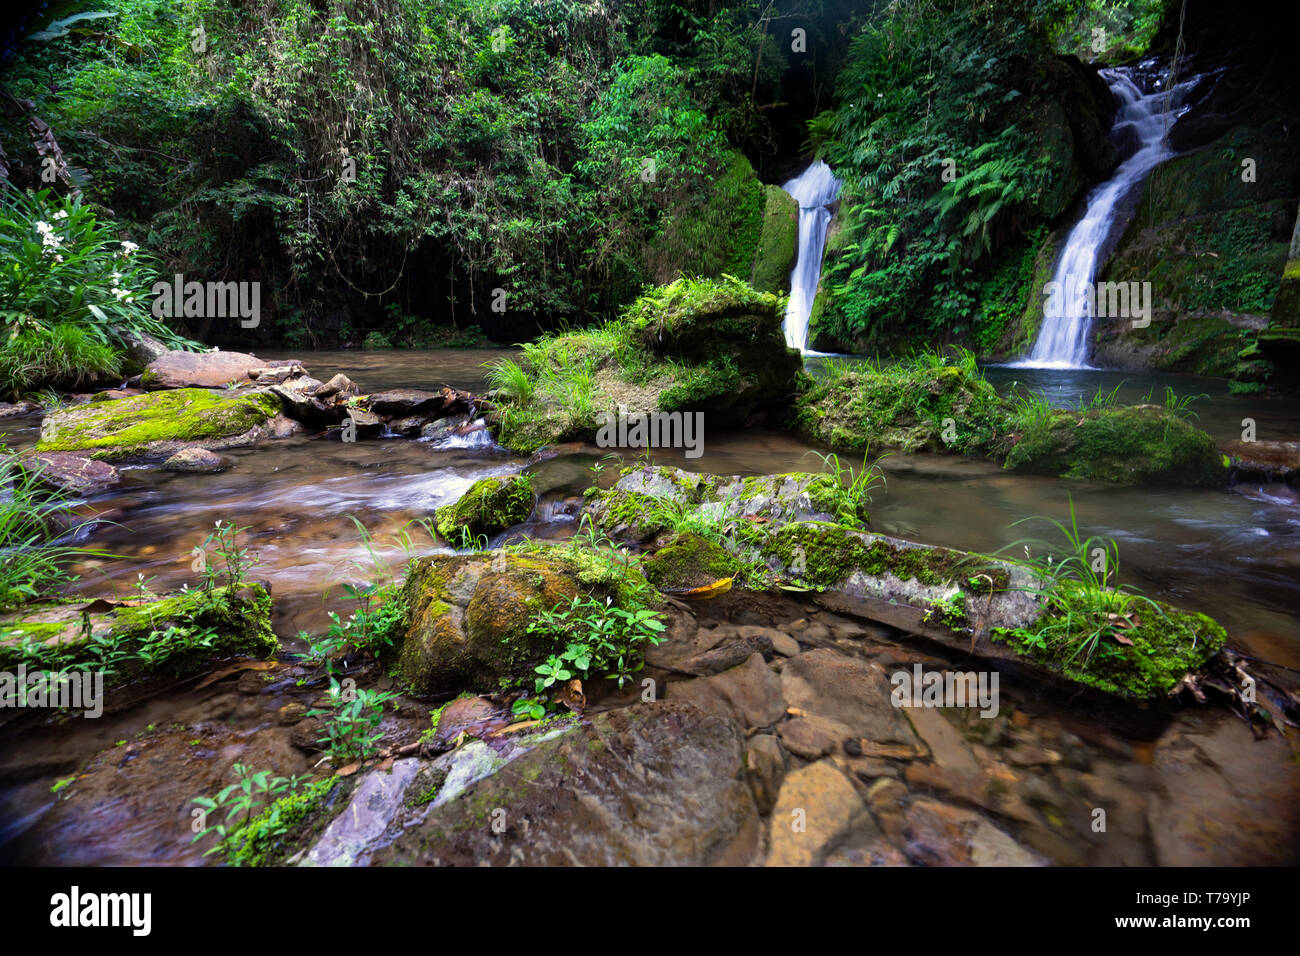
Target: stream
<point>1230,553</point>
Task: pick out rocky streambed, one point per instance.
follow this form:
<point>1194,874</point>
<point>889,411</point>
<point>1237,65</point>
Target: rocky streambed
<point>768,725</point>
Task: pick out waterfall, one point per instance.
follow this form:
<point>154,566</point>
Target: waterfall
<point>813,190</point>
<point>1146,118</point>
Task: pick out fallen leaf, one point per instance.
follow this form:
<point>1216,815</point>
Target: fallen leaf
<point>386,764</point>
<point>349,770</point>
<point>708,591</point>
<point>572,697</point>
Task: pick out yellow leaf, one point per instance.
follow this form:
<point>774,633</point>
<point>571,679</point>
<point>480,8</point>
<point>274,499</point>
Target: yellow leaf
<point>721,586</point>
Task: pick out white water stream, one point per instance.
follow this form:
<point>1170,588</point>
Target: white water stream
<point>813,189</point>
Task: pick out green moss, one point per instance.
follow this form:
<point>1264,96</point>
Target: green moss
<point>909,406</point>
<point>137,425</point>
<point>1164,648</point>
<point>829,553</point>
<point>489,506</point>
<point>1144,443</point>
<point>285,826</point>
<point>690,561</point>
<point>203,626</point>
<point>777,243</point>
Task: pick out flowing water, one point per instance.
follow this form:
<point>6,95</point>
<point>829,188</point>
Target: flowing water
<point>813,189</point>
<point>1144,117</point>
<point>1234,554</point>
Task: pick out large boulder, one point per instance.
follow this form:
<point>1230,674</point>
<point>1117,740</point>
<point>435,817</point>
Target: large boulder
<point>200,369</point>
<point>564,797</point>
<point>467,616</point>
<point>158,424</point>
<point>1126,445</point>
<point>74,474</point>
<point>713,347</point>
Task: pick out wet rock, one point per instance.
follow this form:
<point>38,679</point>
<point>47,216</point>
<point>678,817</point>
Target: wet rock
<point>13,410</point>
<point>782,643</point>
<point>375,802</point>
<point>653,784</point>
<point>750,693</point>
<point>196,461</point>
<point>158,424</point>
<point>816,804</point>
<point>947,748</point>
<point>465,714</point>
<point>443,427</point>
<point>943,835</point>
<point>727,655</point>
<point>407,401</point>
<point>306,734</point>
<point>864,844</point>
<point>113,394</point>
<point>487,507</point>
<point>813,737</point>
<point>689,561</point>
<point>408,427</point>
<point>217,369</point>
<point>1222,798</point>
<point>339,386</point>
<point>766,762</point>
<point>1265,460</point>
<point>828,684</point>
<point>467,624</point>
<point>65,471</point>
<point>366,424</point>
<point>141,347</point>
<point>291,713</point>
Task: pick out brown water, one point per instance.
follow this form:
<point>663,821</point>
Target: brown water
<point>1234,554</point>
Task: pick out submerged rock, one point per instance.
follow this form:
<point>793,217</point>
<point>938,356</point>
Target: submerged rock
<point>196,461</point>
<point>158,424</point>
<point>489,506</point>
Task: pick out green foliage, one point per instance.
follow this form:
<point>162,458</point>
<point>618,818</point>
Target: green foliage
<point>36,528</point>
<point>239,803</point>
<point>597,637</point>
<point>350,730</point>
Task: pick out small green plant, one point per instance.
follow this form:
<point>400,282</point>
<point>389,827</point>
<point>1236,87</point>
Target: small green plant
<point>856,485</point>
<point>597,636</point>
<point>223,540</point>
<point>350,730</point>
<point>240,802</point>
<point>1078,584</point>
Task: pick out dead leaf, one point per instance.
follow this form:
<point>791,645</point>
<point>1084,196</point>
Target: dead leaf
<point>572,697</point>
<point>721,586</point>
<point>349,770</point>
<point>387,764</point>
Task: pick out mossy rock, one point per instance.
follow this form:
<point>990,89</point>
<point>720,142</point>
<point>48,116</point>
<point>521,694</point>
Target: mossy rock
<point>241,622</point>
<point>468,615</point>
<point>689,561</point>
<point>1128,445</point>
<point>157,424</point>
<point>910,407</point>
<point>778,242</point>
<point>489,506</point>
<point>1166,645</point>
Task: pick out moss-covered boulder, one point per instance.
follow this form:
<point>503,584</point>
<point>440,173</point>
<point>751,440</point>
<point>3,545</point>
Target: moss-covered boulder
<point>158,424</point>
<point>174,635</point>
<point>709,346</point>
<point>689,561</point>
<point>1129,445</point>
<point>489,506</point>
<point>647,501</point>
<point>467,616</point>
<point>913,405</point>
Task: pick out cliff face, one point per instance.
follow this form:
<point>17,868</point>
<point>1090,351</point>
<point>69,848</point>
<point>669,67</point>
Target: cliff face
<point>1213,227</point>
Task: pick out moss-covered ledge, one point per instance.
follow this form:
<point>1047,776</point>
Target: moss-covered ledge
<point>488,506</point>
<point>157,424</point>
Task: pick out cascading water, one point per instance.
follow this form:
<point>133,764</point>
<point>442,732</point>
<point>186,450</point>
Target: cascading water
<point>813,189</point>
<point>1063,338</point>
